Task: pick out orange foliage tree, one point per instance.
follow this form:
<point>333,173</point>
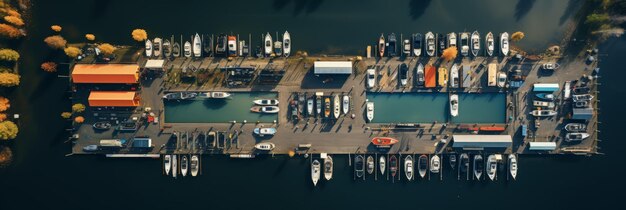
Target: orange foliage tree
<point>16,21</point>
<point>79,119</point>
<point>56,28</point>
<point>9,79</point>
<point>517,36</point>
<point>72,52</point>
<point>107,49</point>
<point>9,31</point>
<point>90,37</point>
<point>49,66</point>
<point>139,35</point>
<point>449,53</point>
<point>55,42</point>
<point>4,104</point>
<point>3,117</point>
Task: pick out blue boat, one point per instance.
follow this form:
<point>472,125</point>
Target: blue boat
<point>545,96</point>
<point>264,131</point>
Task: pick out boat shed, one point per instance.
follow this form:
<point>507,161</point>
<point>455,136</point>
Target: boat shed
<point>542,146</point>
<point>479,142</point>
<point>114,98</point>
<point>142,142</point>
<point>582,113</point>
<point>105,73</point>
<point>155,65</point>
<point>545,87</point>
<point>332,67</point>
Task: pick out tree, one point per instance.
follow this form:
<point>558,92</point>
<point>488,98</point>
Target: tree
<point>55,42</point>
<point>9,55</point>
<point>449,53</point>
<point>4,104</point>
<point>8,130</point>
<point>90,37</point>
<point>9,79</point>
<point>517,36</point>
<point>16,21</point>
<point>72,52</point>
<point>139,35</point>
<point>66,115</point>
<point>78,108</point>
<point>597,19</point>
<point>3,117</point>
<point>107,49</point>
<point>6,156</point>
<point>79,119</point>
<point>56,28</point>
<point>49,66</point>
<point>11,12</point>
<point>9,31</point>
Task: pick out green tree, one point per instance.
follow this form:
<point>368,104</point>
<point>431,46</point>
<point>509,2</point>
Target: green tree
<point>8,130</point>
<point>78,108</point>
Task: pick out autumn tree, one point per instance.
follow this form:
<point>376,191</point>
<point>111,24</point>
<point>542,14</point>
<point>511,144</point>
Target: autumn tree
<point>66,115</point>
<point>90,37</point>
<point>8,130</point>
<point>9,31</point>
<point>6,156</point>
<point>9,79</point>
<point>56,28</point>
<point>4,104</point>
<point>107,49</point>
<point>79,119</point>
<point>3,117</point>
<point>55,42</point>
<point>517,36</point>
<point>49,66</point>
<point>16,21</point>
<point>9,55</point>
<point>449,53</point>
<point>72,52</point>
<point>78,108</point>
<point>139,35</point>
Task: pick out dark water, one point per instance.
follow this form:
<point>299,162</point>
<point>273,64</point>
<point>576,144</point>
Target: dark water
<point>41,177</point>
<point>235,108</point>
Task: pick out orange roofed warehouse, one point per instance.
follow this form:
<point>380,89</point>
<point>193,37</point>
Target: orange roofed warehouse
<point>114,98</point>
<point>106,73</point>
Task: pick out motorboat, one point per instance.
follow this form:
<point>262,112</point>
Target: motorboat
<point>490,43</point>
<point>180,95</point>
<point>370,164</point>
<point>232,46</point>
<point>197,46</point>
<point>422,165</point>
<point>359,166</point>
<point>265,146</point>
<point>575,127</point>
<point>543,113</point>
<point>218,95</point>
<point>465,44</point>
<point>545,96</point>
<point>513,165</point>
<point>492,166</point>
<point>569,137</point>
<point>167,48</point>
<point>384,141</point>
<point>475,39</point>
<point>581,104</point>
<point>194,165</point>
<point>174,166</point>
<point>301,101</point>
<point>265,109</point>
<point>419,80</point>
<point>309,106</point>
<point>391,45</point>
<point>452,160</point>
<point>184,164</point>
<point>435,164</point>
<point>268,44</point>
<point>393,165</point>
<point>404,74</point>
<point>431,46</point>
<point>550,66</point>
<point>406,47</point>
<point>370,111</point>
<point>454,105</point>
<point>346,104</point>
<point>451,40</point>
<point>501,79</point>
<point>318,105</point>
<point>328,167</point>
<point>266,102</point>
<point>102,125</point>
<point>583,97</point>
<point>327,107</point>
<point>265,131</point>
<point>371,78</point>
<point>286,44</point>
<point>443,43</point>
<point>222,41</point>
<point>381,45</point>
<point>504,43</point>
<point>382,164</point>
<point>479,165</point>
<point>278,48</point>
<point>176,50</point>
<point>581,90</point>
<point>167,164</point>
<point>464,163</point>
<point>336,107</point>
<point>187,49</point>
<point>90,148</point>
<point>315,172</point>
<point>408,167</point>
<point>545,104</point>
<point>157,47</point>
<point>148,48</point>
<point>207,45</point>
<point>443,77</point>
<point>454,76</point>
<point>417,44</point>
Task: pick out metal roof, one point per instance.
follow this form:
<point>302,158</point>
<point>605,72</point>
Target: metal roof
<point>332,67</point>
<point>113,98</point>
<point>542,146</point>
<point>545,87</point>
<point>481,141</point>
<point>582,113</point>
<point>154,64</point>
<point>105,73</point>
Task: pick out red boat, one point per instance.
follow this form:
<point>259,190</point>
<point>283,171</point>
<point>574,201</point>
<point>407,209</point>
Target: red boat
<point>491,128</point>
<point>384,141</point>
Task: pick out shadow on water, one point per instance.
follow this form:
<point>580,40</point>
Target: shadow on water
<point>571,8</point>
<point>522,8</point>
<point>417,8</point>
<point>214,103</point>
<point>307,6</point>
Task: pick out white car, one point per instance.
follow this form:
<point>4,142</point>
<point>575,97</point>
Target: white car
<point>371,78</point>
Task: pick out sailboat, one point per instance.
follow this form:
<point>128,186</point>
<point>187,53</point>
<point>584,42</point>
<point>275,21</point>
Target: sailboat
<point>422,164</point>
<point>148,48</point>
<point>381,45</point>
<point>454,105</point>
<point>195,165</point>
<point>408,167</point>
<point>268,44</point>
<point>197,46</point>
<point>490,44</point>
<point>417,44</point>
<point>359,166</point>
<point>504,43</point>
<point>156,47</point>
<point>435,164</point>
<point>328,167</point>
<point>286,44</point>
<point>382,165</point>
<point>315,172</point>
<point>184,163</point>
<point>167,163</point>
<point>370,164</point>
<point>475,43</point>
<point>431,46</point>
<point>478,166</point>
<point>337,108</point>
<point>346,104</point>
<point>513,165</point>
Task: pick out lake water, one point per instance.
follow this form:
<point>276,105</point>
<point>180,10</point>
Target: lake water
<point>236,108</point>
<point>41,177</point>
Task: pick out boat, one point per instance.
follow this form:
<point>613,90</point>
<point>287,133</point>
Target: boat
<point>391,45</point>
<point>443,43</point>
<point>327,107</point>
<point>207,45</point>
<point>419,80</point>
<point>417,44</point>
<point>180,96</point>
<point>452,160</point>
<point>232,46</point>
<point>490,43</point>
<point>504,43</point>
<point>404,74</point>
<point>371,78</point>
<point>370,164</point>
<point>491,128</point>
<point>422,165</point>
<point>90,148</point>
<point>216,95</point>
<point>543,113</point>
<point>443,77</point>
<point>406,47</point>
<point>184,163</point>
<point>492,167</point>
<point>464,163</point>
<point>346,104</point>
<point>287,44</point>
<point>337,107</point>
<point>157,47</point>
<point>435,164</point>
<point>359,166</point>
<point>278,48</point>
<point>581,90</point>
<point>546,104</point>
<point>148,48</point>
<point>381,45</point>
<point>268,44</point>
<point>176,49</point>
<point>478,166</point>
<point>581,104</point>
<point>451,40</point>
<point>513,165</point>
<point>545,96</point>
<point>393,165</point>
<point>197,46</point>
<point>328,167</point>
<point>265,131</point>
<point>309,106</point>
<point>370,111</point>
<point>167,48</point>
<point>575,127</point>
<point>167,164</point>
<point>408,167</point>
<point>315,172</point>
<point>222,41</point>
<point>384,141</point>
<point>194,165</point>
<point>187,49</point>
<point>265,109</point>
<point>475,39</point>
<point>583,97</point>
<point>381,164</point>
<point>266,102</point>
<point>454,105</point>
<point>454,76</point>
<point>465,44</point>
<point>569,137</point>
<point>102,125</point>
<point>501,79</point>
<point>265,146</point>
<point>431,46</point>
<point>318,105</point>
<point>174,166</point>
<point>550,66</point>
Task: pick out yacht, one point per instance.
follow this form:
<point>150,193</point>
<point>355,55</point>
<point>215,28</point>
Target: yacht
<point>167,163</point>
<point>268,44</point>
<point>371,78</point>
<point>264,131</point>
<point>406,47</point>
<point>492,166</point>
<point>328,167</point>
<point>315,172</point>
<point>157,47</point>
<point>197,46</point>
<point>370,164</point>
<point>408,167</point>
<point>501,79</point>
<point>569,137</point>
<point>232,46</point>
<point>286,44</point>
<point>337,107</point>
<point>504,43</point>
<point>464,164</point>
<point>583,97</point>
<point>148,48</point>
<point>417,44</point>
<point>490,44</point>
<point>359,166</point>
<point>575,127</point>
<point>265,146</point>
<point>176,50</point>
<point>422,164</point>
<point>475,43</point>
<point>195,165</point>
<point>217,95</point>
<point>545,104</point>
<point>454,76</point>
<point>370,111</point>
<point>187,49</point>
<point>543,113</point>
<point>435,164</point>
<point>266,102</point>
<point>479,165</point>
<point>451,40</point>
<point>184,163</point>
<point>180,96</point>
<point>465,38</point>
<point>454,105</point>
<point>513,165</point>
<point>384,141</point>
<point>431,46</point>
<point>265,109</point>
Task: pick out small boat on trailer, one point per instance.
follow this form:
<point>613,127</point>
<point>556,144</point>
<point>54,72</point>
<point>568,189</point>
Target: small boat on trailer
<point>328,167</point>
<point>167,164</point>
<point>513,165</point>
<point>359,166</point>
<point>194,165</point>
<point>479,166</point>
<point>184,163</point>
<point>309,106</point>
<point>90,148</point>
<point>382,164</point>
<point>266,102</point>
<point>265,109</point>
<point>435,164</point>
<point>337,107</point>
<point>408,167</point>
<point>370,164</point>
<point>102,125</point>
<point>422,165</point>
<point>315,172</point>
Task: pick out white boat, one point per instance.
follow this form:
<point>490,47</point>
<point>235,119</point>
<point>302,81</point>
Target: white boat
<point>268,44</point>
<point>370,111</point>
<point>371,78</point>
<point>337,109</point>
<point>265,146</point>
<point>315,172</point>
<point>404,74</point>
<point>382,165</point>
<point>454,76</point>
<point>318,103</point>
<point>501,79</point>
<point>569,137</point>
<point>286,44</point>
<point>174,166</point>
<point>176,49</point>
<point>217,95</point>
<point>543,113</point>
<point>370,164</point>
<point>417,44</point>
<point>180,95</point>
<point>346,104</point>
<point>545,104</point>
<point>452,39</point>
<point>422,165</point>
<point>430,44</point>
<point>187,49</point>
<point>435,164</point>
<point>148,48</point>
<point>167,48</point>
<point>167,163</point>
<point>419,80</point>
<point>479,166</point>
<point>465,37</point>
<point>266,102</point>
<point>513,165</point>
<point>567,90</point>
<point>475,39</point>
<point>504,43</point>
<point>492,167</point>
<point>490,43</point>
<point>197,46</point>
<point>406,49</point>
<point>309,106</point>
<point>359,166</point>
<point>195,165</point>
<point>575,127</point>
<point>157,47</point>
<point>264,131</point>
<point>408,167</point>
<point>265,109</point>
<point>454,105</point>
<point>278,48</point>
<point>184,164</point>
<point>550,66</point>
<point>583,97</point>
<point>328,167</point>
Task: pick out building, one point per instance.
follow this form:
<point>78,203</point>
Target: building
<point>114,98</point>
<point>155,65</point>
<point>545,87</point>
<point>142,142</point>
<point>105,74</point>
<point>479,142</point>
<point>582,113</point>
<point>542,146</point>
<point>332,67</point>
